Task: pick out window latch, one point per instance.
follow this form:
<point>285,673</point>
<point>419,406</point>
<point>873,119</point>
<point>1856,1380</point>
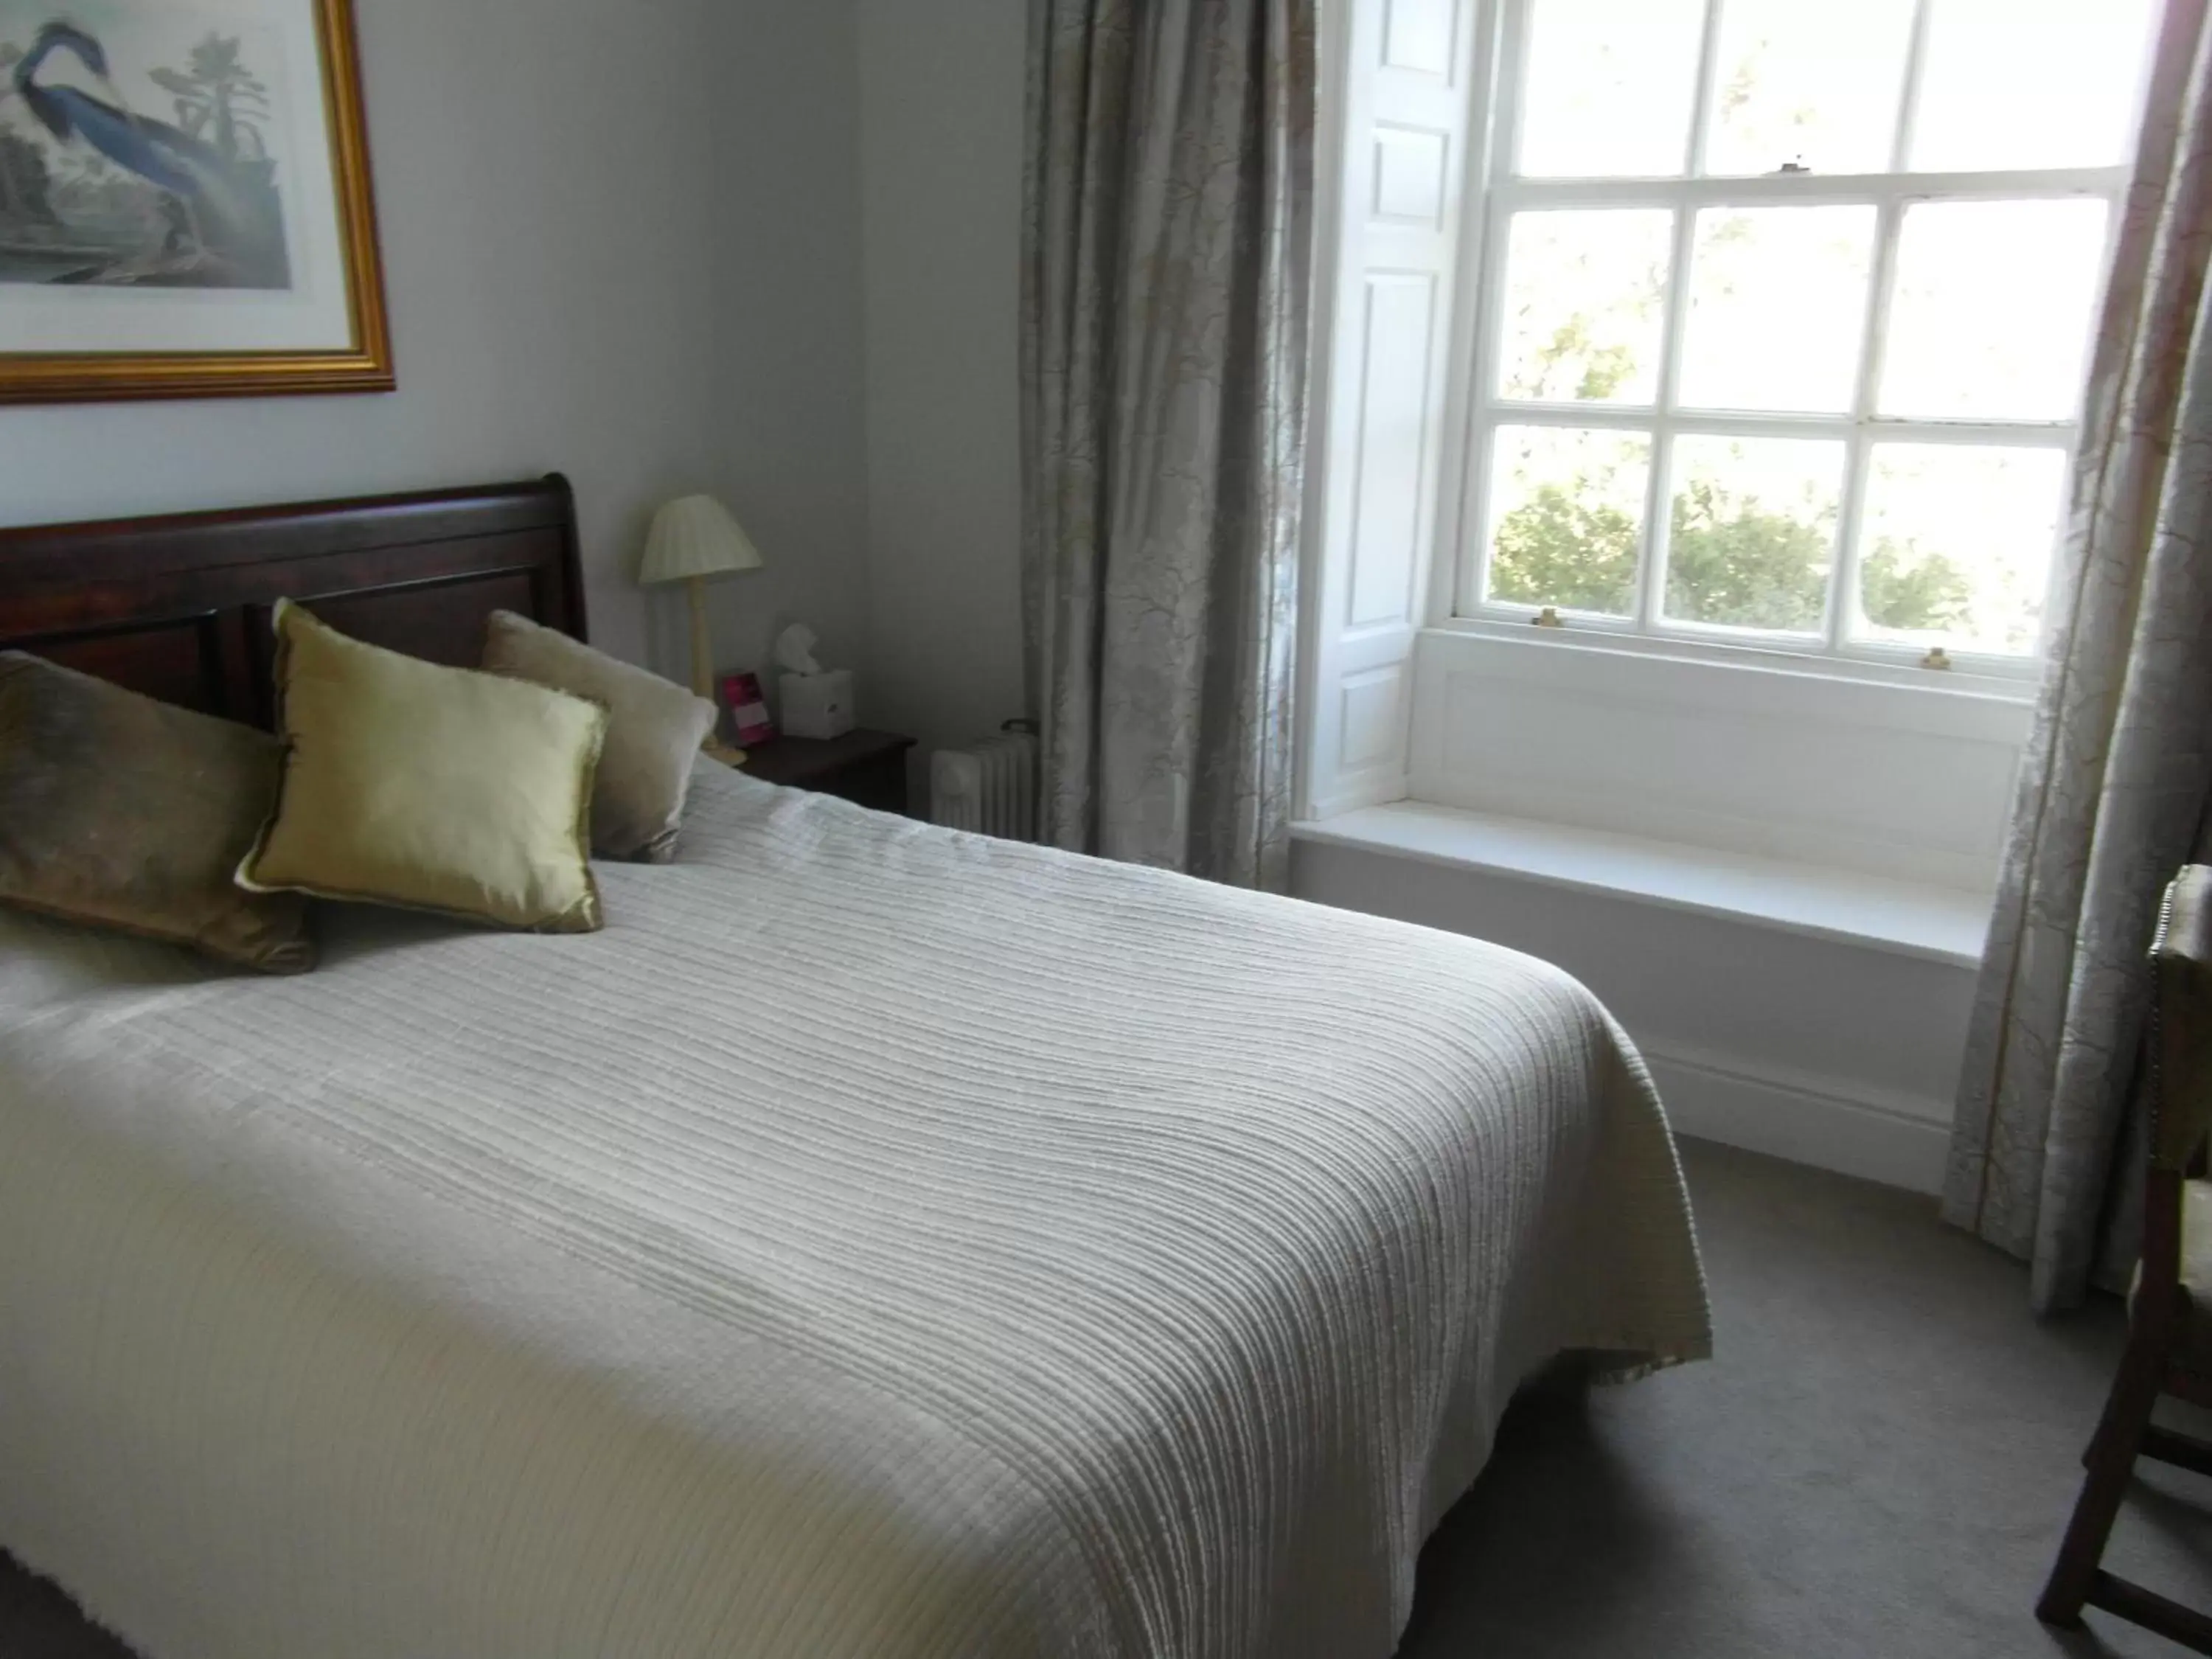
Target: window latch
<point>1547,617</point>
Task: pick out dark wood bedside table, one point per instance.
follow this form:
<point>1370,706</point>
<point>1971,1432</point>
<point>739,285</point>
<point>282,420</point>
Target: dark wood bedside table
<point>867,767</point>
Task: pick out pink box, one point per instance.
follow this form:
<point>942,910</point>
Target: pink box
<point>748,709</point>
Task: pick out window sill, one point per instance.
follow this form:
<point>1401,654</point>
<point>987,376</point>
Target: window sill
<point>1938,924</point>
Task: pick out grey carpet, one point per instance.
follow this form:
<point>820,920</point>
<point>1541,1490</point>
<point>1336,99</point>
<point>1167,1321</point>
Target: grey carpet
<point>1878,1462</point>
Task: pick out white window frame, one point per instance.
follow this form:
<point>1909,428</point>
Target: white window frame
<point>1460,603</point>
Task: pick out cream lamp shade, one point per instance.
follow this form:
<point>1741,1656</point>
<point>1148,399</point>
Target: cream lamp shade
<point>692,539</point>
<point>696,536</point>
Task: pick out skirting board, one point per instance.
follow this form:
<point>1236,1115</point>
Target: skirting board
<point>1802,1119</point>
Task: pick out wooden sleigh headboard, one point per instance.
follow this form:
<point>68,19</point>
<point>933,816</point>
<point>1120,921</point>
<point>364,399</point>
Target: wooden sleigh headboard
<point>179,607</point>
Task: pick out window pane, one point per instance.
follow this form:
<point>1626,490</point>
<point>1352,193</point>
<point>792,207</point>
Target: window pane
<point>1584,297</point>
<point>1752,531</point>
<point>1777,300</point>
<point>1566,517</point>
<point>1957,544</point>
<point>1992,309</point>
<point>2030,84</point>
<point>1609,85</point>
<point>1815,84</point>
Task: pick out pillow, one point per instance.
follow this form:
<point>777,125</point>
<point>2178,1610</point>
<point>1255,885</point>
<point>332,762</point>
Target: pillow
<point>439,789</point>
<point>654,728</point>
<point>123,812</point>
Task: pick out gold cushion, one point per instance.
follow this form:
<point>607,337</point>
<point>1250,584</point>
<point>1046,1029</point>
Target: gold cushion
<point>654,728</point>
<point>123,812</point>
<point>432,789</point>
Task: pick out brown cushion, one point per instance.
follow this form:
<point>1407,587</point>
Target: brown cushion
<point>654,728</point>
<point>123,812</point>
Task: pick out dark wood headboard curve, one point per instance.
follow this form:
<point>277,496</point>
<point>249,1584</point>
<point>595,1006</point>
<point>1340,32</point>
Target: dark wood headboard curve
<point>179,607</point>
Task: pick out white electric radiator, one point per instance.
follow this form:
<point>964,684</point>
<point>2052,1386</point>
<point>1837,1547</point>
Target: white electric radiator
<point>989,787</point>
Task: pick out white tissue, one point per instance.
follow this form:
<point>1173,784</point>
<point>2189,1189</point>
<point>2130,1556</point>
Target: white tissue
<point>794,650</point>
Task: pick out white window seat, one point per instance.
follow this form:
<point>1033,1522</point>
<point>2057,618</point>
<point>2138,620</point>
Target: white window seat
<point>1939,924</point>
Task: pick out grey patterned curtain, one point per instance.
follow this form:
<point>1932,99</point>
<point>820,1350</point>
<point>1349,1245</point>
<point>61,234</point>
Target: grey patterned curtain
<point>2114,788</point>
<point>1167,250</point>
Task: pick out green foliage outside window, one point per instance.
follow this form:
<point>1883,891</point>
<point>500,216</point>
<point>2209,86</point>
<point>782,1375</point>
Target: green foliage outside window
<point>1731,561</point>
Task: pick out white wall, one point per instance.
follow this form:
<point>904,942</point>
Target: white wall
<point>783,206</point>
<point>941,90</point>
<point>619,242</point>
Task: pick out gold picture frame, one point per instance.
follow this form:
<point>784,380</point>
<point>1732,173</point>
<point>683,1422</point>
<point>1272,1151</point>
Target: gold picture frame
<point>362,362</point>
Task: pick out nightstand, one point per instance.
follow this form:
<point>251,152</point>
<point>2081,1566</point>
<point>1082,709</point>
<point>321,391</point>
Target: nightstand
<point>864,767</point>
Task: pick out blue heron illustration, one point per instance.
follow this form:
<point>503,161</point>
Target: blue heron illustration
<point>210,200</point>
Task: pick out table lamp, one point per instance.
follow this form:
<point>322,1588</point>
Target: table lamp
<point>692,539</point>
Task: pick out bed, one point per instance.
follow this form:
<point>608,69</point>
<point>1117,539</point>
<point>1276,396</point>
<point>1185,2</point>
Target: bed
<point>879,1240</point>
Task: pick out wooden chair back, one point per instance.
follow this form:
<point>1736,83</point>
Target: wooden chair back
<point>2166,1339</point>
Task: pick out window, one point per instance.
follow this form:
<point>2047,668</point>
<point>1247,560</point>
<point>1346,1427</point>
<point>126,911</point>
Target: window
<point>1784,314</point>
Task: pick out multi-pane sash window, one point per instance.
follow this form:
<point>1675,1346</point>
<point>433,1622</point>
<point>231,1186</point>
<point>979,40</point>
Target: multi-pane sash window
<point>1785,312</point>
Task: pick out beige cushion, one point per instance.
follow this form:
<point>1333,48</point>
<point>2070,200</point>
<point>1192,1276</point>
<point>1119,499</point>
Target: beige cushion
<point>432,788</point>
<point>2193,1343</point>
<point>655,729</point>
<point>2196,1346</point>
<point>2196,1241</point>
<point>127,813</point>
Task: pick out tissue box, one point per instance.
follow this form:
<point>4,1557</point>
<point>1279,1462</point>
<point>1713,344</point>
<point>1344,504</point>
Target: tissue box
<point>817,705</point>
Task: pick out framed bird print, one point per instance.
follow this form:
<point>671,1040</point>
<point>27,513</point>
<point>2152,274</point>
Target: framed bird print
<point>185,201</point>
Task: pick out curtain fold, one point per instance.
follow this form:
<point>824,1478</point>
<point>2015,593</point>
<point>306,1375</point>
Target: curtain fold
<point>1167,260</point>
<point>2114,784</point>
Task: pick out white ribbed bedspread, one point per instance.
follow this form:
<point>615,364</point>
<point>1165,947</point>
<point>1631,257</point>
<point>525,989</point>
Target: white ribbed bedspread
<point>879,1241</point>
